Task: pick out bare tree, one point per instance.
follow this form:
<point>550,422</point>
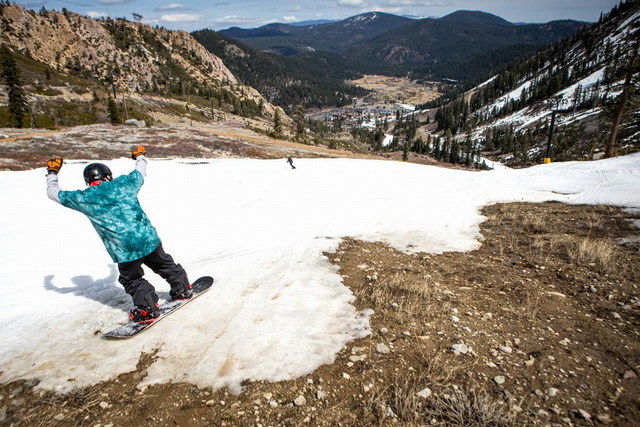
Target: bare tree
<point>632,69</point>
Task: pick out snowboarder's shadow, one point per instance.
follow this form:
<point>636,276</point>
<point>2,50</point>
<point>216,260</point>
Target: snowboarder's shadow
<point>105,291</point>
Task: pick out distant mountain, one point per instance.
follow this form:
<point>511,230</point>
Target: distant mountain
<point>312,22</point>
<point>474,17</point>
<point>428,47</point>
<point>333,37</point>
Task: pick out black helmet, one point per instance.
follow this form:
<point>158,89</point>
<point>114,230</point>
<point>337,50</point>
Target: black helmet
<point>97,172</point>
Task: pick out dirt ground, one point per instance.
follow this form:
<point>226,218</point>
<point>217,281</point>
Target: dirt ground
<point>539,326</point>
<point>397,89</point>
<point>22,149</point>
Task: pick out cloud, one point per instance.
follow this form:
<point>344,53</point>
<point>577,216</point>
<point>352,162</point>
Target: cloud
<point>170,7</point>
<point>240,21</point>
<point>351,3</point>
<point>96,15</point>
<point>110,2</point>
<point>418,3</point>
<point>289,18</point>
<point>181,17</point>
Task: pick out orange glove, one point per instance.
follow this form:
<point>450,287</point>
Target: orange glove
<point>54,165</point>
<point>140,151</point>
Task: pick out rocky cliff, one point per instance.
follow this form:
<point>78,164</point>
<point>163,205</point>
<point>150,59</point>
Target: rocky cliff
<point>132,56</point>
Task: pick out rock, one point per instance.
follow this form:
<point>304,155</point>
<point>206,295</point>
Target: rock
<point>210,402</point>
<point>542,413</point>
<point>359,358</point>
<point>505,349</point>
<point>18,401</point>
<point>104,405</point>
<point>487,316</point>
<point>629,374</point>
<point>460,348</point>
<point>134,122</point>
<point>425,393</point>
<point>603,418</point>
<point>300,401</point>
<point>267,396</point>
<point>3,414</point>
<point>499,379</point>
<point>581,414</point>
<point>321,394</point>
<point>383,331</point>
<point>530,362</point>
<point>382,349</point>
<point>454,319</point>
<point>273,404</point>
<point>346,376</point>
<point>59,417</point>
<point>552,392</point>
<point>565,341</point>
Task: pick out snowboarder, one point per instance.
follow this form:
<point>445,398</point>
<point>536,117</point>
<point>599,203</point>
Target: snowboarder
<point>290,161</point>
<point>113,208</point>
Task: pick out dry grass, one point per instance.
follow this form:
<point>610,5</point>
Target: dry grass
<point>592,251</point>
<point>536,224</point>
<point>594,221</point>
<point>408,300</point>
<point>455,406</point>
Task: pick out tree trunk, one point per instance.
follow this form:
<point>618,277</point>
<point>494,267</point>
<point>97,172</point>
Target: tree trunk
<point>610,149</point>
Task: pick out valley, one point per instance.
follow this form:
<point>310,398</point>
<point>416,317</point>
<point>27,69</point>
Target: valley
<point>400,90</point>
<point>388,96</point>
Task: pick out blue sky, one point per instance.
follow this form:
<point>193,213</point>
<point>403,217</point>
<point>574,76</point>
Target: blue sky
<point>219,14</point>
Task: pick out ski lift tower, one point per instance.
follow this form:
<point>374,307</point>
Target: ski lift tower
<point>556,103</point>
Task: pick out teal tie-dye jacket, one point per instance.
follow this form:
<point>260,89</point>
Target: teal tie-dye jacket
<point>115,213</point>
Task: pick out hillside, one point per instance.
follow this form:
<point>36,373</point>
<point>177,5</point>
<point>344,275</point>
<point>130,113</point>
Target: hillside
<point>310,79</point>
<point>417,317</point>
<point>71,64</point>
<point>582,78</point>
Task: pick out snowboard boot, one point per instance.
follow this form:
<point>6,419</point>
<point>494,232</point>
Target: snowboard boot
<point>182,293</point>
<point>148,312</point>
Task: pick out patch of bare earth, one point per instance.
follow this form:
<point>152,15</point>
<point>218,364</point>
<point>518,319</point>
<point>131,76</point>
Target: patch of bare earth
<point>537,327</point>
<point>29,149</point>
<point>398,89</point>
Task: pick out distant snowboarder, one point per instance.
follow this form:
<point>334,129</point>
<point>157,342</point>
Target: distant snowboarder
<point>290,161</point>
<point>113,208</point>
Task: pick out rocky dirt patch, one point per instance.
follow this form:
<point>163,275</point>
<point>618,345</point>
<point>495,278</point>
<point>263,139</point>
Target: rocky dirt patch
<point>537,327</point>
<point>22,149</point>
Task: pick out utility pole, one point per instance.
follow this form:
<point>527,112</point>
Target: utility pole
<point>124,103</point>
<point>547,157</point>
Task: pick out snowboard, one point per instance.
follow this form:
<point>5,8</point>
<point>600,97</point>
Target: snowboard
<point>132,329</point>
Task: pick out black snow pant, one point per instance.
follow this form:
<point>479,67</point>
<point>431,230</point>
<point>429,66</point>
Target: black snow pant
<point>142,292</point>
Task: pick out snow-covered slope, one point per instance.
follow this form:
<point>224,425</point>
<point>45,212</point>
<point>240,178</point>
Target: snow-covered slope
<point>278,309</point>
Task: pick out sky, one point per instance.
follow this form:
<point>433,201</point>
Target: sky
<point>220,14</point>
<point>278,308</point>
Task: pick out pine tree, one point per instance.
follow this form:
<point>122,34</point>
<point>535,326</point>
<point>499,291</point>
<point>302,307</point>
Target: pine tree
<point>114,111</point>
<point>277,124</point>
<point>18,107</point>
<point>299,124</point>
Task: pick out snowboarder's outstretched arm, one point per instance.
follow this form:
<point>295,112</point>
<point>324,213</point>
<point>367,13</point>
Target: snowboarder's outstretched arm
<point>141,161</point>
<point>53,188</point>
